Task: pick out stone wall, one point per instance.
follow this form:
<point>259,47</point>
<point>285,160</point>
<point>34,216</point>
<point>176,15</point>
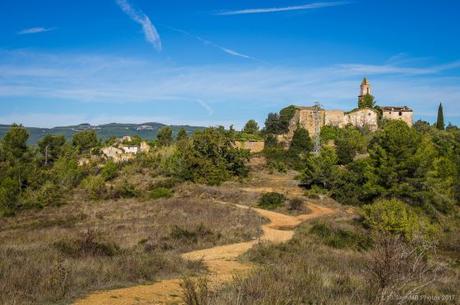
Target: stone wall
<point>363,118</point>
<point>335,118</point>
<point>406,116</point>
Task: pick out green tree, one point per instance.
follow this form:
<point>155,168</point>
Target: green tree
<point>50,147</point>
<point>85,141</point>
<point>349,142</point>
<point>396,170</point>
<point>210,157</point>
<point>164,136</point>
<point>14,143</point>
<point>301,141</point>
<point>440,118</point>
<point>251,127</point>
<point>272,124</point>
<point>367,101</point>
<point>320,169</point>
<point>181,135</point>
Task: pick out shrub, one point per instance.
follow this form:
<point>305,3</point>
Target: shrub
<point>395,216</point>
<point>87,245</point>
<point>195,292</point>
<point>340,238</point>
<point>295,204</point>
<point>94,186</point>
<point>271,200</point>
<point>160,192</point>
<point>124,189</point>
<point>109,171</point>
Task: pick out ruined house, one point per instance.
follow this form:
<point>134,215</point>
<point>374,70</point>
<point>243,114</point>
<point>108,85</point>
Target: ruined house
<point>313,118</point>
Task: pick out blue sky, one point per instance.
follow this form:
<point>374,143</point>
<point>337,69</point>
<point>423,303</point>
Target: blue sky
<point>222,62</point>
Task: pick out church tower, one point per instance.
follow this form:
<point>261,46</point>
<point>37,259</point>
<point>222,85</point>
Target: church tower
<point>365,88</point>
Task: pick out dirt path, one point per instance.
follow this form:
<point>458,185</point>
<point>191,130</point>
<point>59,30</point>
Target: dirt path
<point>221,262</point>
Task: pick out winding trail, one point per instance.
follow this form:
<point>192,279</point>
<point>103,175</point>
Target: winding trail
<point>222,263</point>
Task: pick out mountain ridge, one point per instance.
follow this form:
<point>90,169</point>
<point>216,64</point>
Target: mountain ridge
<point>147,130</point>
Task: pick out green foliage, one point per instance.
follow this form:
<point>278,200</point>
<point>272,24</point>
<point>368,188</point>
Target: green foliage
<point>320,169</point>
<point>349,143</point>
<point>251,127</point>
<point>301,142</point>
<point>340,238</point>
<point>397,217</point>
<point>94,187</point>
<point>49,194</point>
<point>395,168</point>
<point>164,136</point>
<point>440,119</point>
<point>66,171</point>
<point>422,126</point>
<point>14,143</point>
<point>9,191</point>
<point>160,192</point>
<point>181,135</point>
<point>50,147</point>
<point>85,141</point>
<point>350,183</point>
<point>210,157</point>
<point>109,171</point>
<point>279,123</point>
<point>271,200</point>
<point>367,101</point>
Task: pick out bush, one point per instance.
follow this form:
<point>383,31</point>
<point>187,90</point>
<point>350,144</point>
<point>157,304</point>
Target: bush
<point>94,186</point>
<point>124,189</point>
<point>160,192</point>
<point>339,238</point>
<point>295,204</point>
<point>397,217</point>
<point>87,245</point>
<point>109,171</point>
<point>271,200</point>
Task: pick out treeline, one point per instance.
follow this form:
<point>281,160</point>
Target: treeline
<point>50,172</point>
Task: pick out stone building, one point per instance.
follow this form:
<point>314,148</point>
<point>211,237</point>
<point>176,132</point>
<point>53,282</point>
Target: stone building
<point>313,118</point>
<point>398,113</point>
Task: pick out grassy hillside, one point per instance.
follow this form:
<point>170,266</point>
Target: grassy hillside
<point>145,130</point>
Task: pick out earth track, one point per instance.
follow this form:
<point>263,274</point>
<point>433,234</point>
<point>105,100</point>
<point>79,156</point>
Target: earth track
<point>222,262</point>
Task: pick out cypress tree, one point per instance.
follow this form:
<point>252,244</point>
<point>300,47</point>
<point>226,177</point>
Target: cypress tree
<point>440,119</point>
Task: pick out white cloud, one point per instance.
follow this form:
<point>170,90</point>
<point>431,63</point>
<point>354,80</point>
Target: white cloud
<point>214,45</point>
<point>223,92</point>
<point>35,30</point>
<point>283,9</point>
<point>150,32</point>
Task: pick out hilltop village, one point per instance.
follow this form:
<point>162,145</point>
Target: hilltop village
<point>312,118</point>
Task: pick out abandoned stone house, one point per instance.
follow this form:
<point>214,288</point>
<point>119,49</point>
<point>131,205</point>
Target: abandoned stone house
<point>120,152</point>
<point>313,118</point>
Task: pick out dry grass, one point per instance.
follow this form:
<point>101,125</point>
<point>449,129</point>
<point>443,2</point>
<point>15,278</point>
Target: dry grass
<point>307,271</point>
<point>57,254</point>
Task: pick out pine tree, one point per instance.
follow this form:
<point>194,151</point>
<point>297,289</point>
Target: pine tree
<point>440,119</point>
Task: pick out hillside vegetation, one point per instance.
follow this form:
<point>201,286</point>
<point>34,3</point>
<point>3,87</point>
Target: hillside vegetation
<point>98,224</point>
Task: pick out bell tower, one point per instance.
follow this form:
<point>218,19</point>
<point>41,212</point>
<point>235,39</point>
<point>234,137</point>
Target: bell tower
<point>365,88</point>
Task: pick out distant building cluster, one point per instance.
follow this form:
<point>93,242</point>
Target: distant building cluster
<point>122,151</point>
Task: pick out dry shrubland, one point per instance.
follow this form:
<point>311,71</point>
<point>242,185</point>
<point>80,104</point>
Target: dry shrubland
<point>310,269</point>
<point>57,254</point>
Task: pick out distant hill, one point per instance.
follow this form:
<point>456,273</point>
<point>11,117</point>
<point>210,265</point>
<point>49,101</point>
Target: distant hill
<point>145,130</point>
